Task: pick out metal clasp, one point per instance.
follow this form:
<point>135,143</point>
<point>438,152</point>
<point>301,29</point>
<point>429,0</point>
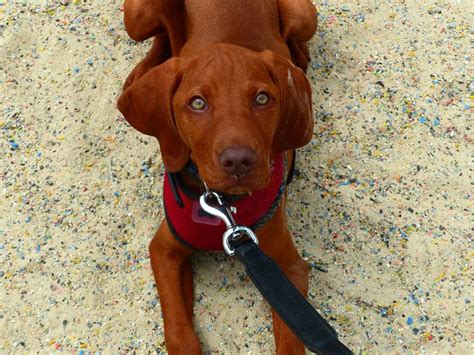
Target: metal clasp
<point>220,210</point>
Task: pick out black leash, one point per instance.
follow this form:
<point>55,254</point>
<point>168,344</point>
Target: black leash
<point>313,330</point>
<point>288,302</point>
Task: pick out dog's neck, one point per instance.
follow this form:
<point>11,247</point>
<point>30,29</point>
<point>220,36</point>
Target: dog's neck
<point>190,180</point>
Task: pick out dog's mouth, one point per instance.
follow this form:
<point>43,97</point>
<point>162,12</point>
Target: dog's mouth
<point>233,185</point>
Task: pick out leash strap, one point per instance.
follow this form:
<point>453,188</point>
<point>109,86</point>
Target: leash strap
<point>293,308</point>
<point>288,302</point>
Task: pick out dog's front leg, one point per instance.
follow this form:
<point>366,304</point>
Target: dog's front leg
<point>296,269</point>
<point>276,242</point>
<point>173,275</point>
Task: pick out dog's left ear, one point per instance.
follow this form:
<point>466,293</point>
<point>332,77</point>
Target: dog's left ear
<point>295,127</point>
<point>147,106</point>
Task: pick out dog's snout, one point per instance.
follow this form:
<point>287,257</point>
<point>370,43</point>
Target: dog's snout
<point>238,161</point>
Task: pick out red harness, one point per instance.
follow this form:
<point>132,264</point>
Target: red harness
<point>194,227</point>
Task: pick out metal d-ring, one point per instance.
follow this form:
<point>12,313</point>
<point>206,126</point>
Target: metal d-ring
<point>233,232</point>
<point>223,212</point>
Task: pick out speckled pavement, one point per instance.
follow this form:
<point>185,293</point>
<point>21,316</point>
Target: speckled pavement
<point>382,201</point>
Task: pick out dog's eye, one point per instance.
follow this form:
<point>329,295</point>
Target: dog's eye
<point>198,103</point>
<point>262,99</point>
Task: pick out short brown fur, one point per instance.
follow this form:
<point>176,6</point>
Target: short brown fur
<point>227,52</point>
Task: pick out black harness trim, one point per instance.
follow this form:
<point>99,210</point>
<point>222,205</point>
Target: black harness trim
<point>192,171</point>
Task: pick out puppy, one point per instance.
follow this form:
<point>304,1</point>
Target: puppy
<point>231,104</point>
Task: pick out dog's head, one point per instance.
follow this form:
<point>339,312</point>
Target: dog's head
<point>229,109</point>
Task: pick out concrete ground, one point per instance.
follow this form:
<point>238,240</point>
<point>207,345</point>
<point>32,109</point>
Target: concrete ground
<point>382,201</point>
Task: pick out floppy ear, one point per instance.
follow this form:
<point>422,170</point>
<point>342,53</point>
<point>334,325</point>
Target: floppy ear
<point>295,127</point>
<point>147,106</point>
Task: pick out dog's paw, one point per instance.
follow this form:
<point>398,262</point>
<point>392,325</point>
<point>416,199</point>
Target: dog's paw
<point>289,344</point>
<point>291,349</point>
<point>188,344</point>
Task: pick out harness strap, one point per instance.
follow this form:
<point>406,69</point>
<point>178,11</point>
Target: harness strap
<point>288,302</point>
<point>173,178</point>
<point>291,172</point>
<point>192,171</point>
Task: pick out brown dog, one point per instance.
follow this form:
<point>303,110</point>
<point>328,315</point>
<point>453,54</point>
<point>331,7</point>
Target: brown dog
<point>230,100</point>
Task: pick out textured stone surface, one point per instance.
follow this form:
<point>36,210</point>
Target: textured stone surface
<point>382,201</point>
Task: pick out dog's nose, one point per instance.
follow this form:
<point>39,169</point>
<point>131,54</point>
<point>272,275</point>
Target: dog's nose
<point>238,161</point>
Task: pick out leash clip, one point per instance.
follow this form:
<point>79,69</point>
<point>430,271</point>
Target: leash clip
<point>212,203</point>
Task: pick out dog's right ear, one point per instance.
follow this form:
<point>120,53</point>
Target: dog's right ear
<point>295,127</point>
<point>147,106</point>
